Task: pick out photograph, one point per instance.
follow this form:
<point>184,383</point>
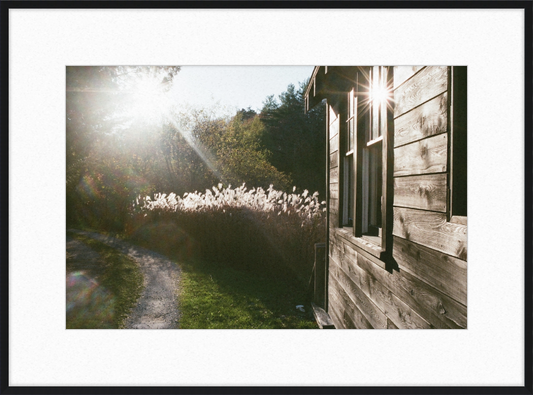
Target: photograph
<point>266,197</point>
<point>249,175</point>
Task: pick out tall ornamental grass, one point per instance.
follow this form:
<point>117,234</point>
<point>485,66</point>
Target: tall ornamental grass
<point>265,231</point>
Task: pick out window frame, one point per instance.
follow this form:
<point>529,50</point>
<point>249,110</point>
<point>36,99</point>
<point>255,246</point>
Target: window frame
<point>348,155</point>
<point>383,119</point>
<point>457,183</point>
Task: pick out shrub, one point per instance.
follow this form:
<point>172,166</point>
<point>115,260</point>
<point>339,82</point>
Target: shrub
<point>266,231</point>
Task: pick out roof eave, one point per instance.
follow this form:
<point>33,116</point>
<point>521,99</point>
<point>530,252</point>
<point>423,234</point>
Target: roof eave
<point>314,93</point>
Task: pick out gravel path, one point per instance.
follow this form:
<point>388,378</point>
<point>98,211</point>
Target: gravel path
<point>157,307</point>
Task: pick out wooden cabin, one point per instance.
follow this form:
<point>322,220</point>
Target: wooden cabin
<point>396,248</point>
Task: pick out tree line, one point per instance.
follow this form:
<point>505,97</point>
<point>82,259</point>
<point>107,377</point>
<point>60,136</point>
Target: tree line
<point>111,158</point>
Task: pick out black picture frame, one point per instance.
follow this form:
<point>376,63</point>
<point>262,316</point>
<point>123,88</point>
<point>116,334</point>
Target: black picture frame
<point>8,217</point>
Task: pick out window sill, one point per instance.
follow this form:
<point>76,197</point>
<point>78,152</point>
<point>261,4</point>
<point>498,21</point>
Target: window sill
<point>376,240</point>
<point>456,219</point>
<point>375,141</point>
<point>369,249</point>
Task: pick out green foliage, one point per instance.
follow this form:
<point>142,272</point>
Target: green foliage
<point>120,276</point>
<point>100,190</point>
<point>242,159</point>
<point>112,157</point>
<point>201,149</point>
<point>296,140</point>
<point>109,162</point>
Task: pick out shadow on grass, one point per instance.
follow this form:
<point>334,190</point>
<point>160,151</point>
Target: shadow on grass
<point>214,296</point>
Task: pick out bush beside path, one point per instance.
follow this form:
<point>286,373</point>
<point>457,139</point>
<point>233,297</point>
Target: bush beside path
<point>157,306</point>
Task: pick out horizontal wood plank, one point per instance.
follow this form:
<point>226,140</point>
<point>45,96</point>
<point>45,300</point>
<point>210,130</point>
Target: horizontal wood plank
<point>345,257</point>
<point>334,128</point>
<point>425,156</point>
<point>402,73</point>
<point>333,305</point>
<point>442,304</point>
<point>428,83</point>
<point>334,144</point>
<point>341,319</point>
<point>429,119</point>
<point>431,229</point>
<point>333,219</point>
<point>459,219</point>
<point>426,192</point>
<point>403,316</point>
<point>334,205</point>
<point>348,263</point>
<point>390,291</point>
<point>436,308</point>
<point>371,250</point>
<point>333,159</point>
<point>335,251</point>
<point>446,273</point>
<point>336,309</point>
<point>390,324</point>
<point>334,190</point>
<point>358,298</point>
<point>333,116</point>
<point>334,174</point>
<point>350,314</point>
<point>350,268</point>
<point>395,309</point>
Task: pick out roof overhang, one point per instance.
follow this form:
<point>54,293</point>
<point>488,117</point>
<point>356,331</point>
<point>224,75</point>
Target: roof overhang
<point>327,82</point>
<point>314,93</point>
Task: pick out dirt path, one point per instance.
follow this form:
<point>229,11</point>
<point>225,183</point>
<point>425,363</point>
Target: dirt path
<point>157,307</point>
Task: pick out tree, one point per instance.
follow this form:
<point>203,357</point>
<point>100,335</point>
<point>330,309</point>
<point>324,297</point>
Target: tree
<point>243,159</point>
<point>296,139</point>
<point>202,150</point>
<point>187,144</point>
<point>108,160</point>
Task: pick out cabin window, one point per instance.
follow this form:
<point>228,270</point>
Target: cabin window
<point>373,121</point>
<point>458,141</point>
<point>348,160</point>
<point>364,195</point>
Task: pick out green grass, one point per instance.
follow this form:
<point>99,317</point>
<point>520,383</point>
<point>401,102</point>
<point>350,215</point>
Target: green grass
<point>120,281</point>
<point>216,297</point>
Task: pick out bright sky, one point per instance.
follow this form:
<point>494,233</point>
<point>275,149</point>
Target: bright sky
<point>234,87</point>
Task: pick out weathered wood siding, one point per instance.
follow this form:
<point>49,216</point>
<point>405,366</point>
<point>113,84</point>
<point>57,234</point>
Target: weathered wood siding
<point>428,286</point>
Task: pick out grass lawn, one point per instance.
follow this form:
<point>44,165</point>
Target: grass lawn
<point>214,296</point>
<point>106,304</point>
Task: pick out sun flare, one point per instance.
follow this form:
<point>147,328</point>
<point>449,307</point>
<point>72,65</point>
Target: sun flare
<point>380,93</point>
<point>148,101</point>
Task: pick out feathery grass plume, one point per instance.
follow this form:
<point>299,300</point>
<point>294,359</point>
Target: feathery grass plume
<point>266,231</point>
